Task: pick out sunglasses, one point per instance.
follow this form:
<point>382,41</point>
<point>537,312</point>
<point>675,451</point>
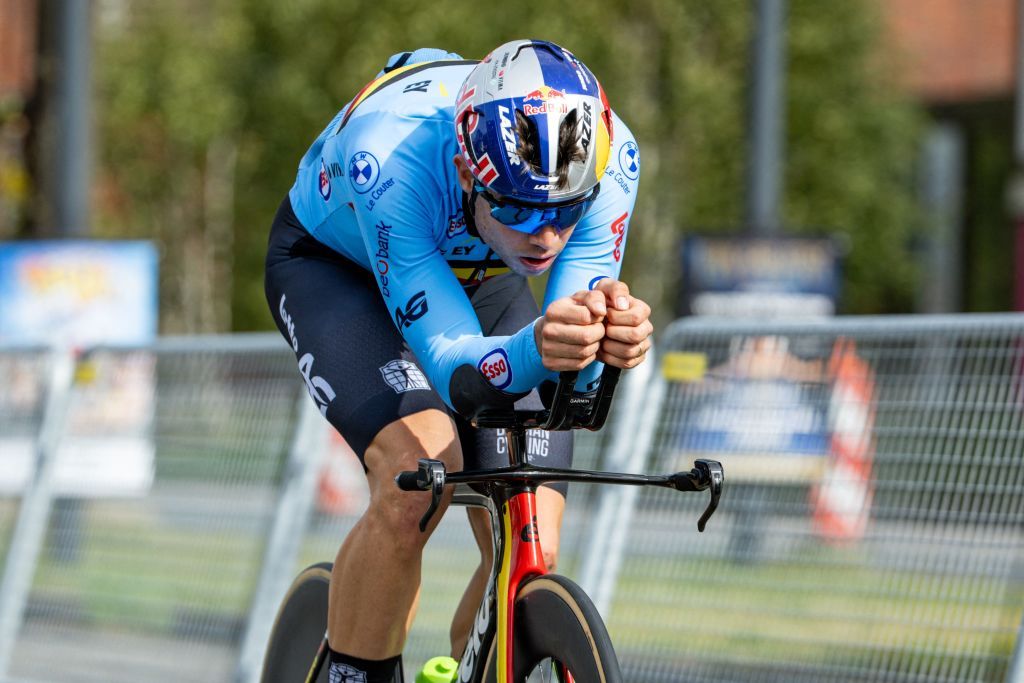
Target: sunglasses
<point>529,218</point>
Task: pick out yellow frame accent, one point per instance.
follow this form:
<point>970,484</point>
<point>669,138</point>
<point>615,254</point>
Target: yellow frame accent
<point>504,576</point>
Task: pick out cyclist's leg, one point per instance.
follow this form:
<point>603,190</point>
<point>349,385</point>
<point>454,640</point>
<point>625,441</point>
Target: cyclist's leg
<point>366,382</point>
<point>377,572</point>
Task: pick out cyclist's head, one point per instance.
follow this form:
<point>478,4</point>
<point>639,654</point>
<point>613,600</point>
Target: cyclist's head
<point>535,129</point>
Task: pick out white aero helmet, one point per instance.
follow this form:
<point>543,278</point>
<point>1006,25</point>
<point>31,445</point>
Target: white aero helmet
<point>534,126</point>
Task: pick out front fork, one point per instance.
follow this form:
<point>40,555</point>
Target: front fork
<point>517,558</point>
<point>521,559</point>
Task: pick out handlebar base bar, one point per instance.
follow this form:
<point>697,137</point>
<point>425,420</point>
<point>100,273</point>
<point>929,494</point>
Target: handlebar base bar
<point>431,475</point>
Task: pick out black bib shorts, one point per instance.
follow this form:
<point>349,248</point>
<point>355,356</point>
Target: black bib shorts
<point>356,365</point>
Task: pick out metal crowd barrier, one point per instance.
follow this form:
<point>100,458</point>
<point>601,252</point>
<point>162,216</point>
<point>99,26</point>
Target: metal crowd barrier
<point>872,525</point>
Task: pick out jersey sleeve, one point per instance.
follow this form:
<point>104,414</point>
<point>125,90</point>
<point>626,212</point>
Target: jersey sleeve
<point>423,296</point>
<point>598,243</point>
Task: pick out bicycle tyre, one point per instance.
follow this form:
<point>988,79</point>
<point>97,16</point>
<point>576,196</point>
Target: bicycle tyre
<point>299,628</point>
<point>555,619</point>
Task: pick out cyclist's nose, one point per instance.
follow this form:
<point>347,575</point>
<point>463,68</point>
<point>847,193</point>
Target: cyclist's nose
<point>546,237</point>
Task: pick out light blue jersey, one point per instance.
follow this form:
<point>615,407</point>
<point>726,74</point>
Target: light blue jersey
<point>379,186</point>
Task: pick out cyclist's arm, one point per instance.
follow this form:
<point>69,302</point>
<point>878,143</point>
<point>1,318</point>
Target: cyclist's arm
<point>598,243</point>
<point>430,309</point>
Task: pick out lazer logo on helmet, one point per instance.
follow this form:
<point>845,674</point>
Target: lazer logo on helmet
<point>507,136</point>
<point>588,127</point>
<point>496,369</point>
<point>415,308</point>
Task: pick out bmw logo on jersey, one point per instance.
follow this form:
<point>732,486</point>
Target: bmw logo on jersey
<point>363,171</point>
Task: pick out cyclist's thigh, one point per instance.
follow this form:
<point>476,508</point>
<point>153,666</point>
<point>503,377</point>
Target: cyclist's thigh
<point>504,305</point>
<point>354,363</point>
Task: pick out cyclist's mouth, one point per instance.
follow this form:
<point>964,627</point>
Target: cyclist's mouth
<point>537,264</point>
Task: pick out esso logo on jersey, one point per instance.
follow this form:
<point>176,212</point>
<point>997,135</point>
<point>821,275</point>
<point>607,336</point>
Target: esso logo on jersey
<point>496,369</point>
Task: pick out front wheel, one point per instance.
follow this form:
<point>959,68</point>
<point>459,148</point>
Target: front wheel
<point>557,628</point>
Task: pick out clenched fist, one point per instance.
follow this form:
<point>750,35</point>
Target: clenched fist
<point>605,324</point>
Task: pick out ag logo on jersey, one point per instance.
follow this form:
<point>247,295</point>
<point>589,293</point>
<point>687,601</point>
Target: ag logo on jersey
<point>496,368</point>
<point>363,171</point>
<point>629,160</point>
<point>415,308</point>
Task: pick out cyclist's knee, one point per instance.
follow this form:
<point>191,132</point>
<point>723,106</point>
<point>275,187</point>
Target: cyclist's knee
<point>396,448</point>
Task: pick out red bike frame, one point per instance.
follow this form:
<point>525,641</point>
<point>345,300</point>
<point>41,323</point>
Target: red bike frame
<point>521,559</point>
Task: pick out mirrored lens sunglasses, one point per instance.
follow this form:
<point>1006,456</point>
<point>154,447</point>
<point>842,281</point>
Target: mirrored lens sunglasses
<point>530,218</point>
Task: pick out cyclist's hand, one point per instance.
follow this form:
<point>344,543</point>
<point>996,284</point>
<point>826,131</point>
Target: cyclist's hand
<point>627,326</point>
<point>569,335</point>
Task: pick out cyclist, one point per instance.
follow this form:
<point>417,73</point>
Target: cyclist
<point>397,270</point>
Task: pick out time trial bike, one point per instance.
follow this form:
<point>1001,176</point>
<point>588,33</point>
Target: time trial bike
<point>531,626</point>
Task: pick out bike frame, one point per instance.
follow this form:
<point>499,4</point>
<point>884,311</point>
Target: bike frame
<point>517,558</point>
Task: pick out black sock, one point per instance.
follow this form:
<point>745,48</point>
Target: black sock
<point>344,668</point>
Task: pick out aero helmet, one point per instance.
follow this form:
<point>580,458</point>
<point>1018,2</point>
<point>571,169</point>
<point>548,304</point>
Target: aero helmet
<point>536,90</point>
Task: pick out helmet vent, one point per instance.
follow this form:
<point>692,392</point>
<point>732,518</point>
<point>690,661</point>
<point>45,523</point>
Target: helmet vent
<point>569,148</point>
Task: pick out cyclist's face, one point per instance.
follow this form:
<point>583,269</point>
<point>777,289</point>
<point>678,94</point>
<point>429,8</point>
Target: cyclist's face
<point>526,255</point>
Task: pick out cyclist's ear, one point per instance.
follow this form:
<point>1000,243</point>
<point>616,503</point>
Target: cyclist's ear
<point>465,175</point>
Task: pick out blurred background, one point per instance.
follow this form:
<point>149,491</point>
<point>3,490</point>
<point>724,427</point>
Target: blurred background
<point>889,127</point>
<point>815,176</point>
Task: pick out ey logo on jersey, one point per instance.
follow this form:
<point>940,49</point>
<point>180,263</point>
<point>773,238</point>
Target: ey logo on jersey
<point>496,369</point>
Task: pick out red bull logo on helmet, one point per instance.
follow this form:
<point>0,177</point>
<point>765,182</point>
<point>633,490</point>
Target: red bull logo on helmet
<point>543,94</point>
<point>552,101</point>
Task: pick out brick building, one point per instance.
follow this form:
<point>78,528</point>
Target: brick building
<point>955,51</point>
<point>18,21</point>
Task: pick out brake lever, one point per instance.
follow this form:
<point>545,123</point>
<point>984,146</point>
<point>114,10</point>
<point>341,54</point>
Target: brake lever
<point>713,473</point>
<point>706,474</point>
<point>429,475</point>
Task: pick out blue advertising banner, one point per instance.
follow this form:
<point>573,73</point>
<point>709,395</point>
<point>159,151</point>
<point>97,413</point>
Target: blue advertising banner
<point>78,293</point>
<point>72,295</point>
<point>759,276</point>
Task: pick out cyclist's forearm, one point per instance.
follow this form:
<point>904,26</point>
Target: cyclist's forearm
<point>511,364</point>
